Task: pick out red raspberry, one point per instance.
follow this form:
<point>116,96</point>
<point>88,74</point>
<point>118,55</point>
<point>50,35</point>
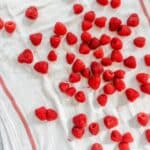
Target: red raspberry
<point>86,25</point>
<point>106,61</point>
<point>119,73</point>
<point>119,84</point>
<point>130,62</point>
<point>94,43</point>
<point>71,91</point>
<point>51,114</point>
<point>102,2</point>
<point>133,20</point>
<point>60,29</point>
<point>116,43</point>
<point>74,77</point>
<point>10,26</point>
<point>124,30</point>
<point>147,59</point>
<point>96,68</point>
<point>147,135</point>
<point>142,77</point>
<point>99,53</point>
<point>100,22</point>
<point>52,56</point>
<point>115,3</point>
<point>96,146</point>
<point>78,65</point>
<point>108,75</point>
<point>78,132</point>
<point>1,23</point>
<point>94,128</point>
<point>80,97</point>
<point>89,16</point>
<point>41,113</point>
<point>26,57</point>
<point>36,38</point>
<point>143,118</point>
<point>41,67</point>
<point>124,146</point>
<point>77,8</point>
<point>86,37</point>
<point>80,120</point>
<point>102,99</point>
<point>71,38</point>
<point>94,82</point>
<point>116,136</point>
<point>116,56</point>
<point>84,48</point>
<point>109,88</point>
<point>114,23</point>
<point>127,138</point>
<point>55,41</point>
<point>139,42</point>
<point>63,86</point>
<point>110,121</point>
<point>105,39</point>
<point>86,72</point>
<point>132,94</point>
<point>145,88</point>
<point>31,12</point>
<point>70,58</point>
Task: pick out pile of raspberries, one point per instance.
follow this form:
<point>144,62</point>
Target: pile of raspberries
<point>97,72</point>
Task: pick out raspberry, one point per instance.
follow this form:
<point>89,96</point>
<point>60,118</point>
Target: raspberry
<point>26,57</point>
<point>109,88</point>
<point>63,86</point>
<point>94,82</point>
<point>84,48</point>
<point>89,16</point>
<point>106,61</point>
<point>51,115</point>
<point>124,30</point>
<point>86,37</point>
<point>94,128</point>
<point>132,94</point>
<point>70,91</point>
<point>60,29</point>
<point>41,67</point>
<point>96,68</point>
<point>96,146</point>
<point>78,65</point>
<point>142,77</point>
<point>114,23</point>
<point>127,138</point>
<point>80,120</point>
<point>116,43</point>
<point>108,75</point>
<point>36,38</point>
<point>119,73</point>
<point>105,39</point>
<point>130,62</point>
<point>139,42</point>
<point>77,8</point>
<point>102,2</point>
<point>147,135</point>
<point>71,38</point>
<point>52,56</point>
<point>116,136</point>
<point>94,43</point>
<point>133,20</point>
<point>143,118</point>
<point>145,88</point>
<point>10,26</point>
<point>116,56</point>
<point>119,84</point>
<point>31,12</point>
<point>41,113</point>
<point>147,59</point>
<point>100,22</point>
<point>115,3</point>
<point>102,99</point>
<point>70,58</point>
<point>80,97</point>
<point>99,53</point>
<point>74,77</point>
<point>110,121</point>
<point>1,23</point>
<point>86,25</point>
<point>124,146</point>
<point>86,72</point>
<point>78,132</point>
<point>55,41</point>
